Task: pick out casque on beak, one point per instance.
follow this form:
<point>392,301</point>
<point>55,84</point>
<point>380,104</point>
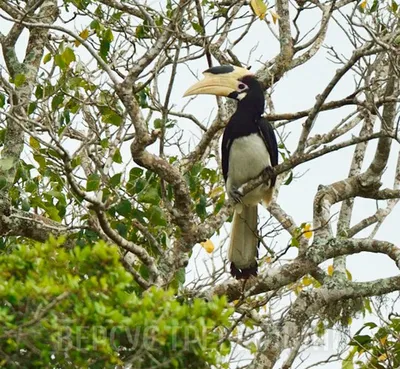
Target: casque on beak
<point>219,81</point>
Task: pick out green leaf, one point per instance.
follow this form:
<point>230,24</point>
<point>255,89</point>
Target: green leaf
<point>108,35</point>
<point>68,56</point>
<point>199,29</point>
<point>395,6</point>
<point>159,21</point>
<point>124,208</point>
<point>117,16</point>
<point>156,216</point>
<point>320,328</point>
<point>374,6</point>
<point>157,123</point>
<point>104,143</point>
<point>59,61</point>
<point>66,116</point>
<point>95,24</point>
<point>40,160</point>
<point>295,242</point>
<point>140,32</point>
<point>142,98</point>
<point>115,180</point>
<point>93,182</point>
<point>25,205</point>
<point>53,213</point>
<point>201,207</point>
<point>6,163</point>
<point>76,161</point>
<point>370,325</point>
<point>117,158</point>
<point>122,229</point>
<point>112,117</point>
<point>367,305</point>
<point>225,347</point>
<point>31,186</point>
<point>179,278</point>
<point>252,347</point>
<point>135,173</point>
<point>32,107</point>
<point>2,136</point>
<point>347,363</point>
<point>360,340</point>
<point>149,195</point>
<point>19,80</point>
<point>104,49</point>
<point>290,179</point>
<point>39,92</point>
<point>57,101</point>
<point>47,58</point>
<point>34,143</point>
<point>3,182</point>
<point>2,100</point>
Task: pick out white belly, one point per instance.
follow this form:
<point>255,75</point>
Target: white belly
<point>248,157</point>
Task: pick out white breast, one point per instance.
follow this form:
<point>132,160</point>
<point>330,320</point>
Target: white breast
<point>248,156</point>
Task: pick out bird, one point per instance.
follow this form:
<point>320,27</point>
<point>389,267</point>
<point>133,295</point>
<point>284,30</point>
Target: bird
<point>249,147</point>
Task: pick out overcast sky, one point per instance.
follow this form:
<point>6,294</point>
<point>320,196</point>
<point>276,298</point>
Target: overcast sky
<point>297,91</point>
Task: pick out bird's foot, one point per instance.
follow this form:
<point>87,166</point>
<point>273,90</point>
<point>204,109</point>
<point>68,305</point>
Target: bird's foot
<point>269,171</point>
<point>236,195</point>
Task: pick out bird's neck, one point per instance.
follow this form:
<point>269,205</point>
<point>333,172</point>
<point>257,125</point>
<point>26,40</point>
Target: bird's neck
<point>252,105</point>
<point>251,109</point>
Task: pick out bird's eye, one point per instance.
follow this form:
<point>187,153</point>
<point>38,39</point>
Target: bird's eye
<point>242,86</point>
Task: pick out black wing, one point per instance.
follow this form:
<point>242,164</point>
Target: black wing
<point>268,135</point>
<point>225,148</point>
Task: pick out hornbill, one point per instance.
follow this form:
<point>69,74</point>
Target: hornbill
<point>248,147</point>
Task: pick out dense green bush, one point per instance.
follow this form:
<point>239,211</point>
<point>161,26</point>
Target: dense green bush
<point>80,308</point>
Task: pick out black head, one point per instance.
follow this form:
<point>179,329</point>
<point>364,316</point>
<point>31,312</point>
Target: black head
<point>249,94</point>
<point>234,82</point>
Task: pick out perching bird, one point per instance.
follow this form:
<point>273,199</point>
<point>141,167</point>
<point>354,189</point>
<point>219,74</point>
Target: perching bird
<point>248,147</point>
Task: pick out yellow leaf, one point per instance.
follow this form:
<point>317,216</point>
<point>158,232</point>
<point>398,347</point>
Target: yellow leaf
<point>268,259</point>
<point>34,143</point>
<point>383,340</point>
<point>363,4</point>
<point>297,288</point>
<point>349,320</point>
<point>208,246</point>
<point>47,58</point>
<point>84,34</point>
<point>217,191</point>
<point>349,276</point>
<point>259,8</point>
<point>330,269</point>
<point>274,16</point>
<point>307,231</point>
<point>307,281</point>
<point>383,357</point>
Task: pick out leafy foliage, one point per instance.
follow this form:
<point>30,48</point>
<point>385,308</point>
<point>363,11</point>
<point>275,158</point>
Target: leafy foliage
<point>375,347</point>
<point>81,308</point>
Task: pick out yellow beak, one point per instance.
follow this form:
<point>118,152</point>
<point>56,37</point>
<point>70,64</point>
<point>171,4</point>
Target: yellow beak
<point>219,84</point>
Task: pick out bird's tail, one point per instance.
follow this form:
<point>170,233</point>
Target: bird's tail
<point>243,247</point>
